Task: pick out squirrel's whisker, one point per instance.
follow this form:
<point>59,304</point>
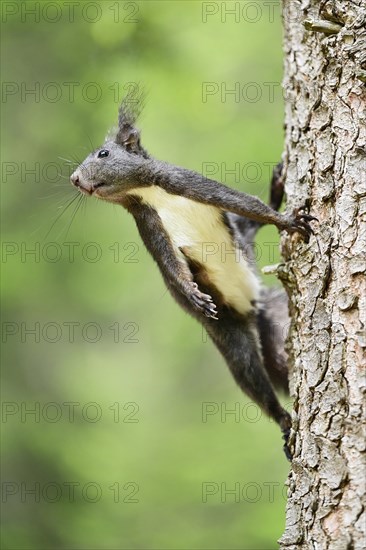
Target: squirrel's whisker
<point>77,206</point>
<point>68,161</point>
<point>68,204</point>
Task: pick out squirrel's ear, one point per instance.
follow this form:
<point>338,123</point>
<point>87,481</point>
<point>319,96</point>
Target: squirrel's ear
<point>128,136</point>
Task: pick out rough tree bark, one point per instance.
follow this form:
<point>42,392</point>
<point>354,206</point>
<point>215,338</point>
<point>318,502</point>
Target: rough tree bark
<point>325,166</point>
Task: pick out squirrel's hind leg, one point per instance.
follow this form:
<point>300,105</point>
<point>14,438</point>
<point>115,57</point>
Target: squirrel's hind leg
<point>237,339</point>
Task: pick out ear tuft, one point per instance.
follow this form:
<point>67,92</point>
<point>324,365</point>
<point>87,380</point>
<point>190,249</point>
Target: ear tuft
<point>128,136</point>
<point>111,134</point>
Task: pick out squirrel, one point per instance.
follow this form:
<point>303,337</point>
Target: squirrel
<point>178,212</point>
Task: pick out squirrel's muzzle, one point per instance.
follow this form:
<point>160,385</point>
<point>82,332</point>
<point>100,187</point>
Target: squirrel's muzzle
<point>83,186</point>
<point>75,179</point>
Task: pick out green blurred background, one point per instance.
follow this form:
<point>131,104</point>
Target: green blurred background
<point>108,338</point>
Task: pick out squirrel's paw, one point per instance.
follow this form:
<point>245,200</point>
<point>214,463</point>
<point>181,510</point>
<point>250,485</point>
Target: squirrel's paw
<point>203,302</point>
<point>299,223</point>
<point>285,424</point>
<point>286,447</point>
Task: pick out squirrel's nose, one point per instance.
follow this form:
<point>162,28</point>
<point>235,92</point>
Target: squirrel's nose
<point>74,178</point>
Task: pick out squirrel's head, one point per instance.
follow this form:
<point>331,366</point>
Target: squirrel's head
<point>115,167</point>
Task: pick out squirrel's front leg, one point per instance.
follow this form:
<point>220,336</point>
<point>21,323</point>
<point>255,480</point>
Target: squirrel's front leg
<point>172,262</point>
<point>200,189</point>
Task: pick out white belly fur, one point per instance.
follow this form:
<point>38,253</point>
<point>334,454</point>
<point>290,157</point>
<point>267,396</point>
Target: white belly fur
<point>200,228</point>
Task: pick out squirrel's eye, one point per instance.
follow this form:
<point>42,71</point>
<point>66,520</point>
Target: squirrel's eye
<point>103,153</point>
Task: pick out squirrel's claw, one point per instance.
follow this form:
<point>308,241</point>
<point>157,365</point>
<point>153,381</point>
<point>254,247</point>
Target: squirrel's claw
<point>286,447</point>
<point>299,222</point>
<point>203,302</point>
<point>308,218</point>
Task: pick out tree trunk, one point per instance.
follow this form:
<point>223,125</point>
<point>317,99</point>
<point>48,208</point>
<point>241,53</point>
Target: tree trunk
<point>325,168</point>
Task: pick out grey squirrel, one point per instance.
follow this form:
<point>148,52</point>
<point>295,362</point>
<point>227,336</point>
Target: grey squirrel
<point>178,212</point>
